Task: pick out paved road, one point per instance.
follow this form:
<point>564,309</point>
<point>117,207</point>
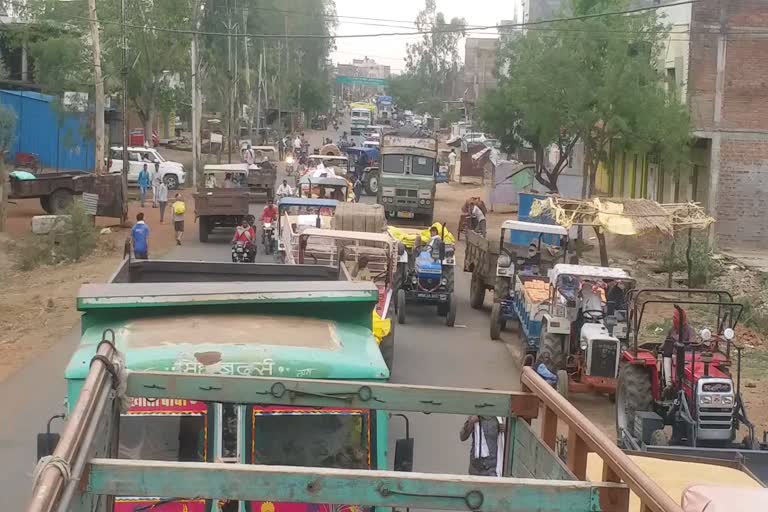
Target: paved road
<point>427,352</point>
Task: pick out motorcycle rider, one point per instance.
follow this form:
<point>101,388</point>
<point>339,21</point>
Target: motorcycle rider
<point>269,214</point>
<point>246,234</point>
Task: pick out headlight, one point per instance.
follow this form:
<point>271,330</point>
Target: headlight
<point>583,344</point>
<point>727,400</point>
<point>414,280</point>
<point>705,400</point>
<point>289,160</point>
<point>728,334</point>
<point>421,201</point>
<point>504,260</point>
<point>449,250</point>
<point>706,334</point>
<point>443,281</point>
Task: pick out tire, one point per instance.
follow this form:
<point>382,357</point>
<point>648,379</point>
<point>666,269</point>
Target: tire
<point>387,347</point>
<point>203,229</point>
<point>371,183</point>
<point>496,321</point>
<point>562,383</point>
<point>45,204</point>
<point>553,345</point>
<point>171,181</point>
<point>633,393</point>
<point>659,438</point>
<point>60,200</point>
<point>450,318</point>
<point>401,306</point>
<point>476,292</point>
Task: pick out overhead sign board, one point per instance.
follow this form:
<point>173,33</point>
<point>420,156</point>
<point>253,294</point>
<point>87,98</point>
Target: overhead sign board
<point>361,80</point>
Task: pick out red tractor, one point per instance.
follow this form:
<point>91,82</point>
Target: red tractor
<point>684,380</point>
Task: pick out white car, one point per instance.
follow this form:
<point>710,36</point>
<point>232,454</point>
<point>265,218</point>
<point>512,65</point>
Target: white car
<point>172,173</point>
<point>475,137</point>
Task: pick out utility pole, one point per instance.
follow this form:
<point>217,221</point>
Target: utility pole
<point>126,162</point>
<point>258,101</point>
<point>99,88</point>
<point>231,80</point>
<point>195,78</point>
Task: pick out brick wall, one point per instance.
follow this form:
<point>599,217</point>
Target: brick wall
<point>745,98</point>
<point>742,217</point>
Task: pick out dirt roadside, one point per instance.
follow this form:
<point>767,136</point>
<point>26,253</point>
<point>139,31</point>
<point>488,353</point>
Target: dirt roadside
<point>37,307</point>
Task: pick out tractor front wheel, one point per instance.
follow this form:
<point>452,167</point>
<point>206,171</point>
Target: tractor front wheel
<point>633,394</point>
<point>552,344</point>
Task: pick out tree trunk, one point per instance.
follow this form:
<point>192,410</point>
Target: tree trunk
<point>4,185</point>
<point>603,248</point>
<point>99,90</point>
<point>148,120</point>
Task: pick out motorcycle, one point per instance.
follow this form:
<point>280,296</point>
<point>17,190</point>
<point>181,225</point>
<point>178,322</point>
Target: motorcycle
<point>289,165</point>
<point>268,237</point>
<point>243,252</point>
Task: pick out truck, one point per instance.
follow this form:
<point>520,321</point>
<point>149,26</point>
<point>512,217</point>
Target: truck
<point>213,426</point>
<point>383,109</point>
<point>217,204</point>
<point>407,175</point>
<point>57,191</point>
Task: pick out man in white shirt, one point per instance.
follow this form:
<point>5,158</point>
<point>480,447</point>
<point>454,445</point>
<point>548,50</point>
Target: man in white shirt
<point>479,219</point>
<point>451,164</point>
<point>296,145</point>
<point>284,190</point>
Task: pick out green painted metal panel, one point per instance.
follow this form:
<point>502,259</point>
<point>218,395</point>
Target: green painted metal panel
<point>314,485</point>
<point>353,353</point>
<point>534,459</point>
<point>322,393</point>
<point>361,80</point>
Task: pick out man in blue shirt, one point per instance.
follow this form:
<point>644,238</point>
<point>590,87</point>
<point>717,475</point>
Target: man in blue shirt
<point>140,236</point>
<point>144,182</point>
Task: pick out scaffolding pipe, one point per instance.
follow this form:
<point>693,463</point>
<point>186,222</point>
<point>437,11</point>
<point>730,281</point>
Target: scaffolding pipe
<point>88,409</point>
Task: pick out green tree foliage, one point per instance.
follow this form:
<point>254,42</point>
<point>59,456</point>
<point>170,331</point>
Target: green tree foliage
<point>593,80</point>
<point>435,59</point>
<point>432,64</point>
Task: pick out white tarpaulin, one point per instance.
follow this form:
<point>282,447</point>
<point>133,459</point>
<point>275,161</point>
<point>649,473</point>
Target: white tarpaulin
<point>710,498</point>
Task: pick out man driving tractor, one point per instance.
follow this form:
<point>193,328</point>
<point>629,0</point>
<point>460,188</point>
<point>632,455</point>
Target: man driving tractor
<point>678,317</point>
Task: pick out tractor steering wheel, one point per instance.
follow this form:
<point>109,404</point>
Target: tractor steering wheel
<point>594,315</point>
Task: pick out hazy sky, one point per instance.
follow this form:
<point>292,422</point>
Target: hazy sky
<point>391,50</point>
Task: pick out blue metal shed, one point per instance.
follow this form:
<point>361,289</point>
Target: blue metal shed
<point>62,140</point>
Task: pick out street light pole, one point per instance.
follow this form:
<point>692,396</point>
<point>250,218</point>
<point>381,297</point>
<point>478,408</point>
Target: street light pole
<point>126,162</point>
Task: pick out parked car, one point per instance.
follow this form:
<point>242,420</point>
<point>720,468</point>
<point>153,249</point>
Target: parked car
<point>136,137</point>
<point>172,172</point>
<point>475,137</point>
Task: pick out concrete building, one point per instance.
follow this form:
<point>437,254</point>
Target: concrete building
<point>479,66</point>
<point>360,68</point>
<point>728,99</point>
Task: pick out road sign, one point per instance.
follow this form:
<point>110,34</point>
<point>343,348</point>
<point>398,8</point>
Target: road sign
<point>361,80</point>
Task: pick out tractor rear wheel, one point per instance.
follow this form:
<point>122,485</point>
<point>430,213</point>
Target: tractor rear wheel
<point>553,345</point>
<point>633,394</point>
<point>401,306</point>
<point>476,291</point>
<point>659,438</point>
<point>496,321</point>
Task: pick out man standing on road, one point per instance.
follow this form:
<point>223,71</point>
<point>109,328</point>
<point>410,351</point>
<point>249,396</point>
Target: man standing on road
<point>451,164</point>
<point>179,208</point>
<point>144,183</point>
<point>486,455</point>
<point>155,184</point>
<point>162,198</point>
<point>248,156</point>
<point>139,238</point>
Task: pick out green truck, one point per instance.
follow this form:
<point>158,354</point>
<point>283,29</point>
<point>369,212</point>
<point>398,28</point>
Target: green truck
<point>408,168</point>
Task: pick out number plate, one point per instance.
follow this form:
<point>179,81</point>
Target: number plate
<point>405,215</point>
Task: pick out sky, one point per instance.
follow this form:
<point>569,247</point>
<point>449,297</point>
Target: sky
<point>391,50</point>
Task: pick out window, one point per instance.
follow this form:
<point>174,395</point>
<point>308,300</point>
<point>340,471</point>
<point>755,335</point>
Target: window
<point>422,166</point>
<point>329,440</point>
<point>393,164</point>
<point>134,157</point>
<point>170,438</point>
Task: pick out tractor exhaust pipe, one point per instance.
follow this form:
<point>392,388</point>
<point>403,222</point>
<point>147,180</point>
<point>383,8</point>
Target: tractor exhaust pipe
<point>680,347</point>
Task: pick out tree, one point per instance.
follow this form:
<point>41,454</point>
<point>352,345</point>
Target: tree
<point>436,57</point>
<point>593,80</point>
<point>7,136</point>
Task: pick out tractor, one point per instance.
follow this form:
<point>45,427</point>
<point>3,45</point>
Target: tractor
<point>683,381</point>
